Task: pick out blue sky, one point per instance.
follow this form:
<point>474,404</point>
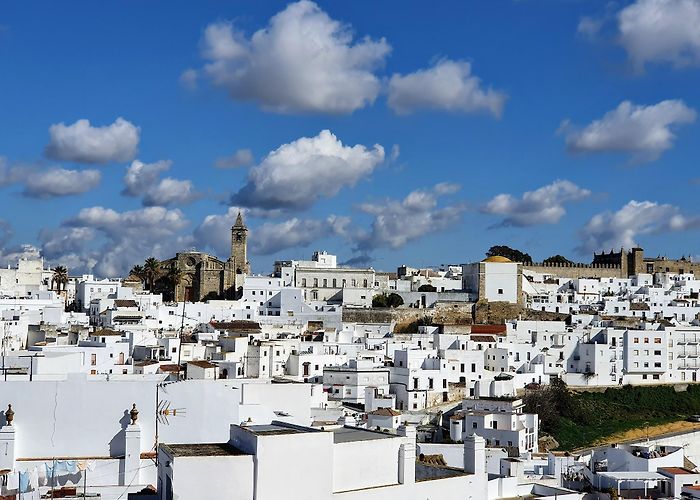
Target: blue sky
<point>590,107</point>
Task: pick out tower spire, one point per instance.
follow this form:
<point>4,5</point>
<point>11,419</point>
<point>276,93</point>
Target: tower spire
<point>239,221</point>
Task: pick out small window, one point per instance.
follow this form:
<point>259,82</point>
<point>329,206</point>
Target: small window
<point>500,291</point>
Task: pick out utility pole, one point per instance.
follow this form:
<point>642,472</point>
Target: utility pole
<point>182,329</point>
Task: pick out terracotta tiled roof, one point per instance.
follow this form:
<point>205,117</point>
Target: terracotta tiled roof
<point>236,326</point>
<point>489,329</point>
<point>125,303</point>
<point>202,364</point>
<point>385,412</point>
<point>483,338</point>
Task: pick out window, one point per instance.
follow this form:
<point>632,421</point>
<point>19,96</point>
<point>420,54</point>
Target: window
<point>325,282</point>
<point>335,283</point>
<point>494,425</point>
<point>657,341</point>
<point>500,291</point>
<point>353,283</point>
<point>473,425</point>
<point>303,282</point>
<point>365,283</point>
<point>646,340</point>
<point>657,353</point>
<point>315,282</point>
<point>93,359</point>
<point>636,340</point>
<point>655,376</point>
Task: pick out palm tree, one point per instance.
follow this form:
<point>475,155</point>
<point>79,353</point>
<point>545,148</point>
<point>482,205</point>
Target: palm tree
<point>175,276</point>
<point>151,270</point>
<point>139,272</point>
<point>60,277</point>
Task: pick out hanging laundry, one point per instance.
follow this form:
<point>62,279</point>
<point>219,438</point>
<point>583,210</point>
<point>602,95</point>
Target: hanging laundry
<point>91,464</point>
<point>43,480</point>
<point>50,471</point>
<point>34,479</point>
<point>13,481</point>
<point>72,466</point>
<point>82,465</point>
<point>23,481</point>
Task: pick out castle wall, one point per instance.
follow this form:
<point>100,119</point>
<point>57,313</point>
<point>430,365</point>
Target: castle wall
<point>575,271</point>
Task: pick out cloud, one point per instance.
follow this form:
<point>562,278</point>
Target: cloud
<point>241,158</point>
<point>645,132</point>
<point>44,183</point>
<point>398,222</point>
<point>302,61</point>
<point>541,206</point>
<point>10,256</point>
<point>446,86</point>
<point>140,176</point>
<point>57,182</point>
<point>214,232</point>
<point>83,143</point>
<point>612,230</point>
<point>126,238</point>
<point>590,26</point>
<point>661,31</point>
<point>169,192</point>
<point>297,174</point>
<point>273,237</point>
<point>142,179</point>
<point>189,78</point>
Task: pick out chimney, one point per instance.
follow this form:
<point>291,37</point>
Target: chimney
<point>407,454</point>
<point>474,454</point>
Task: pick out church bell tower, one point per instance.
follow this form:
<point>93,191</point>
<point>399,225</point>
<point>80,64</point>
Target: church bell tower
<point>239,246</point>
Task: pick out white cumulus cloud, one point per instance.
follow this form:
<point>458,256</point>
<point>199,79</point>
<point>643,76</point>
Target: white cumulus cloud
<point>541,206</point>
<point>612,230</point>
<point>644,132</point>
<point>302,61</point>
<point>297,174</point>
<point>82,143</point>
<point>143,179</point>
<point>398,222</point>
<point>56,182</point>
<point>446,86</point>
<point>170,192</point>
<point>661,31</point>
<point>124,238</point>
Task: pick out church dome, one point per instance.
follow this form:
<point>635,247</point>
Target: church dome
<point>497,258</point>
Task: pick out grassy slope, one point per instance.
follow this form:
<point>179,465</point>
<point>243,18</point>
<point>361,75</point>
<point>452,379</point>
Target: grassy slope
<point>594,415</point>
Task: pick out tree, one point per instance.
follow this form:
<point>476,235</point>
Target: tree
<point>139,272</point>
<point>384,300</point>
<point>557,259</point>
<point>509,253</point>
<point>427,288</point>
<point>60,277</point>
<point>175,276</point>
<point>379,300</point>
<point>151,270</point>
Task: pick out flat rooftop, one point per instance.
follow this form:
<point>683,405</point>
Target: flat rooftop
<point>275,430</point>
<point>202,450</point>
<point>353,434</point>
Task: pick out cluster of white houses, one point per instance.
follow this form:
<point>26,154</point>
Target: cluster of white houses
<point>276,394</point>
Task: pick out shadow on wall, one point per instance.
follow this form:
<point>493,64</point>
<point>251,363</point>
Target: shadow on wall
<point>117,447</point>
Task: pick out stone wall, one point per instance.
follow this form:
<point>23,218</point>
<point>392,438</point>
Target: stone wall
<point>497,313</point>
<point>575,271</point>
<point>458,313</point>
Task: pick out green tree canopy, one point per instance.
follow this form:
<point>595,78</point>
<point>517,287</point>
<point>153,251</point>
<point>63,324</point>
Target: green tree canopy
<point>384,300</point>
<point>557,259</point>
<point>509,253</point>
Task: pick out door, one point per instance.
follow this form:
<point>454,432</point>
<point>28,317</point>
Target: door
<point>189,294</point>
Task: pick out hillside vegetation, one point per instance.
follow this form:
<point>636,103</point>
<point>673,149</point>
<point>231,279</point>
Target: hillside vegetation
<point>579,419</point>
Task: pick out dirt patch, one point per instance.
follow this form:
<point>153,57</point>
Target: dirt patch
<point>653,431</point>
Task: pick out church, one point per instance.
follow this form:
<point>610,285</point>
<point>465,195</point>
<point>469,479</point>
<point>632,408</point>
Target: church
<point>205,277</point>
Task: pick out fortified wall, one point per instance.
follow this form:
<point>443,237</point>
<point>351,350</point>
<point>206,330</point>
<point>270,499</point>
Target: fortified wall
<point>577,270</point>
